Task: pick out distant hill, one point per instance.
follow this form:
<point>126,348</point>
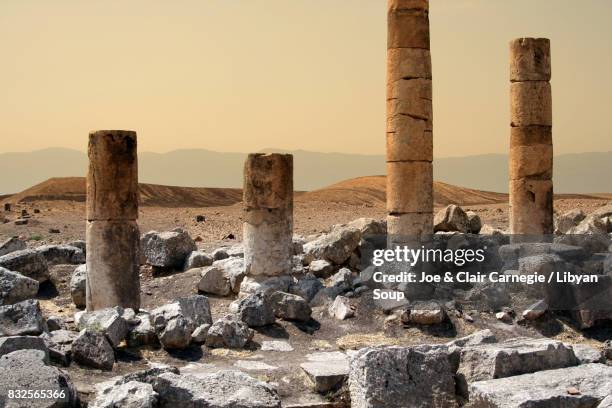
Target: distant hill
<point>371,191</point>
<point>73,189</point>
<point>574,173</point>
<point>368,191</point>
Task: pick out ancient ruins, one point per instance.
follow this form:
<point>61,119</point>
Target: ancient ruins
<point>268,214</point>
<point>531,149</point>
<point>290,320</point>
<point>409,121</point>
<point>112,233</point>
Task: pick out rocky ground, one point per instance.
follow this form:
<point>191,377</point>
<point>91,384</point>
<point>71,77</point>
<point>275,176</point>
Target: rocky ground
<point>302,362</point>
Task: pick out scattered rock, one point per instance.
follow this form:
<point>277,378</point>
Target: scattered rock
<point>27,262</point>
<point>21,221</point>
<point>424,313</point>
<point>22,319</point>
<point>219,254</point>
<point>200,333</point>
<point>26,370</point>
<point>14,343</point>
<point>233,270</point>
<point>214,281</point>
<point>474,222</point>
<point>142,333</point>
<point>504,316</point>
<point>341,309</point>
<point>109,322</point>
<point>175,322</point>
<point>239,390</point>
<point>327,371</point>
<point>229,332</point>
<point>335,247</point>
<point>342,280</point>
<point>535,311</point>
<point>167,249</point>
<point>14,287</point>
<point>587,354</point>
<point>132,394</point>
<point>451,218</point>
<point>568,220</point>
<point>78,285</point>
<point>255,310</point>
<point>197,259</point>
<point>12,245</point>
<point>307,287</point>
<point>475,339</point>
<point>61,254</point>
<point>92,349</point>
<point>200,218</point>
<point>55,323</point>
<point>290,307</point>
<point>276,345</point>
<point>321,268</point>
<point>59,343</point>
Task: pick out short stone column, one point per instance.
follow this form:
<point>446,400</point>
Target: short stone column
<point>268,214</point>
<point>409,122</point>
<point>112,231</point>
<point>531,148</point>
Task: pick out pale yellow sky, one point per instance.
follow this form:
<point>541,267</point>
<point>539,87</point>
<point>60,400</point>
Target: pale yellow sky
<point>242,75</point>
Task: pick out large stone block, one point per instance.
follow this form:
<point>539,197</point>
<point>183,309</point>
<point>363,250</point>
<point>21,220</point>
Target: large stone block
<point>531,211</point>
<point>409,187</point>
<point>530,136</point>
<point>534,162</point>
<point>412,97</point>
<point>531,103</point>
<point>268,181</point>
<point>510,358</point>
<point>408,63</point>
<point>545,389</point>
<point>401,377</point>
<point>112,181</point>
<point>530,59</point>
<point>113,264</point>
<point>407,28</point>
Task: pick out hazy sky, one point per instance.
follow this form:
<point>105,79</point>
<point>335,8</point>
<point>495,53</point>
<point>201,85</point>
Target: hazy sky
<point>242,75</point>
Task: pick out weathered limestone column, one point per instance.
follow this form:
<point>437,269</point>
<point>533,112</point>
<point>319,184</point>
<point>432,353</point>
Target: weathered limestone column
<point>531,149</point>
<point>409,122</point>
<point>112,231</point>
<point>268,214</point>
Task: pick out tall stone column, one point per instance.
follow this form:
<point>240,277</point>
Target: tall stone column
<point>531,149</point>
<point>268,214</point>
<point>409,122</point>
<point>112,231</point>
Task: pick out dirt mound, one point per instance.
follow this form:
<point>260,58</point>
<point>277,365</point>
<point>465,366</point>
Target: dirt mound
<point>371,190</point>
<point>153,195</point>
<point>362,191</point>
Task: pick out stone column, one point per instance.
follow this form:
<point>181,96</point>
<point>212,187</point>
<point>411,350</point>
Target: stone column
<point>112,231</point>
<point>531,150</point>
<point>268,214</point>
<point>409,122</point>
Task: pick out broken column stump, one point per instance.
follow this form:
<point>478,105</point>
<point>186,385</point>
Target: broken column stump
<point>268,214</point>
<point>112,211</point>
